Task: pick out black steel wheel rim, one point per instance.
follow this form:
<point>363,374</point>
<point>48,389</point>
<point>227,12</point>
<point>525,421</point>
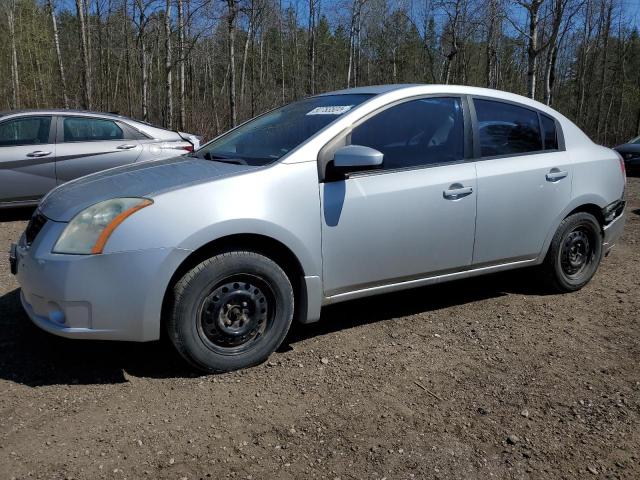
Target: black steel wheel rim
<point>577,252</point>
<point>236,313</point>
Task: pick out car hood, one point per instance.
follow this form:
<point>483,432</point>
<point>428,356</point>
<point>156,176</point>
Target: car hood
<point>143,179</point>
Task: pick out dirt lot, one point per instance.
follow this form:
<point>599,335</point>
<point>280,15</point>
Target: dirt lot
<point>478,378</point>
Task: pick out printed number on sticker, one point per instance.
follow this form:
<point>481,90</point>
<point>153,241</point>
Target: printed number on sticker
<point>335,110</point>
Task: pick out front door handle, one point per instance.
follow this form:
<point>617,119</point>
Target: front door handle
<point>457,191</point>
<point>126,146</point>
<point>556,174</point>
<point>38,153</point>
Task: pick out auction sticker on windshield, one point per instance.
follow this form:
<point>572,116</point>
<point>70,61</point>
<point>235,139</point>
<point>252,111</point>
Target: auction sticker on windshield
<point>332,110</point>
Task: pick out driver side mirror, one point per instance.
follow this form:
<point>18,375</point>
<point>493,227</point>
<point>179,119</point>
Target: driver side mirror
<point>353,158</point>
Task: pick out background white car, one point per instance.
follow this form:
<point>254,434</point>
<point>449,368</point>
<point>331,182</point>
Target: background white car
<point>40,149</point>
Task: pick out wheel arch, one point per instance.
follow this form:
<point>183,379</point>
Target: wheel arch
<point>591,208</point>
<point>592,204</point>
<point>263,244</point>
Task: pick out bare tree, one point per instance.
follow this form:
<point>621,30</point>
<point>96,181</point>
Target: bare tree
<point>181,66</point>
<point>453,10</point>
<point>354,42</point>
<point>253,12</point>
<point>606,18</point>
<point>311,47</point>
<point>533,49</point>
<point>281,35</point>
<point>56,43</point>
<point>154,60</point>
<point>232,13</point>
<point>494,30</point>
<point>143,20</point>
<point>15,79</point>
<point>86,67</point>
<point>168,65</point>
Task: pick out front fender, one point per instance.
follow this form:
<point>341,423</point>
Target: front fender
<point>308,261</point>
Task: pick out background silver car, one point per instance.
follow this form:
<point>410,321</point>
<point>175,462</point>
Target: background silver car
<point>335,197</point>
<point>40,149</point>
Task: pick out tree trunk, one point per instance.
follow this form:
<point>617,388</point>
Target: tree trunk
<point>100,87</point>
<point>109,94</point>
<point>491,71</point>
<point>352,41</point>
<point>553,45</point>
<point>56,43</point>
<point>532,49</point>
<point>453,50</point>
<point>231,27</point>
<point>311,54</point>
<point>127,53</point>
<point>245,54</point>
<point>168,66</point>
<point>15,80</point>
<point>144,72</point>
<point>181,66</point>
<point>282,70</point>
<point>86,68</point>
<point>603,70</point>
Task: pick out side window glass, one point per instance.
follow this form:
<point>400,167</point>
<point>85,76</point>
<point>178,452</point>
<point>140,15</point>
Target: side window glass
<point>507,129</point>
<point>25,131</point>
<point>549,133</point>
<point>419,132</point>
<point>79,129</point>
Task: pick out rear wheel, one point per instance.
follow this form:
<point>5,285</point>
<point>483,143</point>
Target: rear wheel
<point>575,253</point>
<point>231,311</point>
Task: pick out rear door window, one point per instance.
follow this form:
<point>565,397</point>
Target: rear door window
<point>507,129</point>
<point>81,129</point>
<point>25,131</point>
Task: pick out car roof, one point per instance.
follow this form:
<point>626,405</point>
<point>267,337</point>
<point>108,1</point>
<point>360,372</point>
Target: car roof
<point>372,89</point>
<point>147,128</point>
<point>61,111</point>
<point>398,91</point>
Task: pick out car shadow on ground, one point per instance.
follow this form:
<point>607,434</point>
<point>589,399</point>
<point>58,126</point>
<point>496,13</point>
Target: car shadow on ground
<point>32,357</point>
<point>432,298</point>
<point>16,214</point>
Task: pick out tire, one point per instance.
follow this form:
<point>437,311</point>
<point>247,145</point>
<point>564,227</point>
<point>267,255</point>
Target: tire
<point>574,254</point>
<point>230,312</point>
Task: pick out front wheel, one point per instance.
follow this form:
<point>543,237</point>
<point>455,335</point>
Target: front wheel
<point>231,311</point>
<point>575,253</point>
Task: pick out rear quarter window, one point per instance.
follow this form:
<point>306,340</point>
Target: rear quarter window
<point>549,133</point>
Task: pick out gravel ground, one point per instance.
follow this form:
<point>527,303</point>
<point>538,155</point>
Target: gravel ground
<point>472,379</point>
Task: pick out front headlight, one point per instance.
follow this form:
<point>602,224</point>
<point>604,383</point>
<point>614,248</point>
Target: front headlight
<point>88,232</point>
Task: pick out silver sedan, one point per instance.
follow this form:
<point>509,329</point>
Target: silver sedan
<point>335,197</point>
<point>40,149</point>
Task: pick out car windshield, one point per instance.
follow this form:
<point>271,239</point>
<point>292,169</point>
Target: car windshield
<point>272,135</point>
<point>635,140</point>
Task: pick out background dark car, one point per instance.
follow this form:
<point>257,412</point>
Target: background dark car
<point>630,152</point>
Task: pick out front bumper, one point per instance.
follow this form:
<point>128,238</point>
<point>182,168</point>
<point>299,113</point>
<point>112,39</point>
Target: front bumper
<point>116,296</point>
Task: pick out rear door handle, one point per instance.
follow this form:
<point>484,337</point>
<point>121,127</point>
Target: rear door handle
<point>556,174</point>
<point>457,191</point>
<point>38,153</point>
<point>126,146</point>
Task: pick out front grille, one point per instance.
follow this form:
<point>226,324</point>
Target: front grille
<point>35,225</point>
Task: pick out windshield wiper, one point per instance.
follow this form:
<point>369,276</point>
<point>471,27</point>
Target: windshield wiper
<point>223,159</point>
